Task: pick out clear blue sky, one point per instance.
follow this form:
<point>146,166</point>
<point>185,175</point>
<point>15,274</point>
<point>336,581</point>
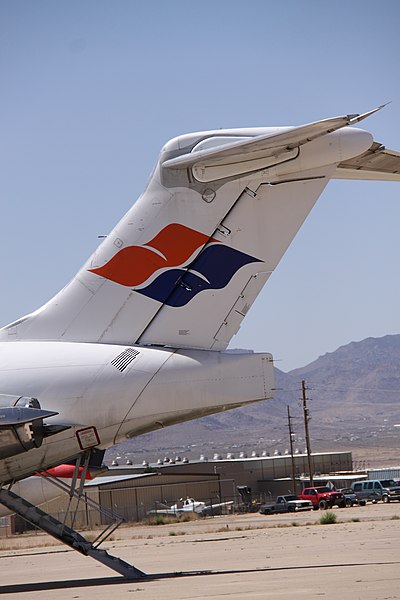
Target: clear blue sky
<point>90,90</point>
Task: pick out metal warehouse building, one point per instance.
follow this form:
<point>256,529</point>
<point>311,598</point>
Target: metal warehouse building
<point>132,491</point>
<point>389,473</point>
<point>261,471</point>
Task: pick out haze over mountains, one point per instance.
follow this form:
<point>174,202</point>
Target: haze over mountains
<point>354,403</point>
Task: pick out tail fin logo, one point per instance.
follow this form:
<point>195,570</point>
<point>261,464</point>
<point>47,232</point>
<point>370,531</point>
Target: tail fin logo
<point>133,265</point>
<point>169,251</point>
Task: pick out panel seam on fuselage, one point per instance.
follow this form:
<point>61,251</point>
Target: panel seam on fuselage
<point>172,352</point>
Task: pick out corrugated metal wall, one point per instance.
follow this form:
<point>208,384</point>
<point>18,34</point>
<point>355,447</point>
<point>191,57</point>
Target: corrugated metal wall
<point>393,473</point>
<point>133,498</point>
<point>133,503</point>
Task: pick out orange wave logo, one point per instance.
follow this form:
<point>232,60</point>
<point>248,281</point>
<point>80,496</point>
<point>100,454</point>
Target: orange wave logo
<point>172,246</point>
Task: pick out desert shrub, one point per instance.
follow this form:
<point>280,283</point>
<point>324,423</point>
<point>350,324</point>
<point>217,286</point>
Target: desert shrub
<point>189,516</point>
<point>328,518</point>
<point>160,520</point>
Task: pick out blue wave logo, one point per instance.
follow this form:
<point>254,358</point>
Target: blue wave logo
<point>211,270</point>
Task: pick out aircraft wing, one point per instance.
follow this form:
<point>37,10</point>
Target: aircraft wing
<point>376,164</point>
<point>165,511</point>
<point>211,509</point>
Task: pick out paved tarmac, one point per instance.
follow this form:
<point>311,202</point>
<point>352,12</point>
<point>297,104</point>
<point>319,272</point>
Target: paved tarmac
<point>229,558</point>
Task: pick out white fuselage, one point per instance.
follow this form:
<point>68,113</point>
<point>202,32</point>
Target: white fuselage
<point>88,385</point>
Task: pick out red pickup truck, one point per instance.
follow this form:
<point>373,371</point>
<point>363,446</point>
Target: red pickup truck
<point>323,497</point>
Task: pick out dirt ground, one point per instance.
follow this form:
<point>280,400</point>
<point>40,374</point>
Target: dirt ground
<point>247,556</point>
<point>377,457</point>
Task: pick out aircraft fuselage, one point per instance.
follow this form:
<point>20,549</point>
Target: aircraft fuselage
<point>117,391</point>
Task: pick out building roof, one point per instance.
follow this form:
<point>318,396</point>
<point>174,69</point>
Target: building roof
<point>237,459</point>
<point>336,477</point>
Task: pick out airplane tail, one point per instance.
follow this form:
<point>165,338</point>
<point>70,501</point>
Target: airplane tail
<point>184,265</point>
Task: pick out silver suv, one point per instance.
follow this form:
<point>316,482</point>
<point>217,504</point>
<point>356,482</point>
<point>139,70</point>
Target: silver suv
<point>375,490</point>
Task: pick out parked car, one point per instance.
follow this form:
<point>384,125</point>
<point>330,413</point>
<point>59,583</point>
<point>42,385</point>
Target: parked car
<point>374,490</point>
<point>351,497</point>
<point>285,504</point>
<point>323,497</point>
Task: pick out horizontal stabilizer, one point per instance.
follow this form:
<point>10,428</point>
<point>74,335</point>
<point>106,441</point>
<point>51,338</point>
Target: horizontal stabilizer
<point>264,145</point>
<point>376,163</point>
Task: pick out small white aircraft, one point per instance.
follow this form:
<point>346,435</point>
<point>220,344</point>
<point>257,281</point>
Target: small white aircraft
<point>189,505</point>
<point>136,340</point>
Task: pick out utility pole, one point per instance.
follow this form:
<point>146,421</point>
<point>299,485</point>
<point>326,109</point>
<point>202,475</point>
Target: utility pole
<point>291,434</point>
<point>306,420</point>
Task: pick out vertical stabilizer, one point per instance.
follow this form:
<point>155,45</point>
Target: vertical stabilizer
<point>184,265</point>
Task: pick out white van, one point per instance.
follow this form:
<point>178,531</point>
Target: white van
<point>375,490</point>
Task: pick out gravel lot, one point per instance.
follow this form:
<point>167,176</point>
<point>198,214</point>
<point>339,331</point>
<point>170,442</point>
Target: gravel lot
<point>231,557</point>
